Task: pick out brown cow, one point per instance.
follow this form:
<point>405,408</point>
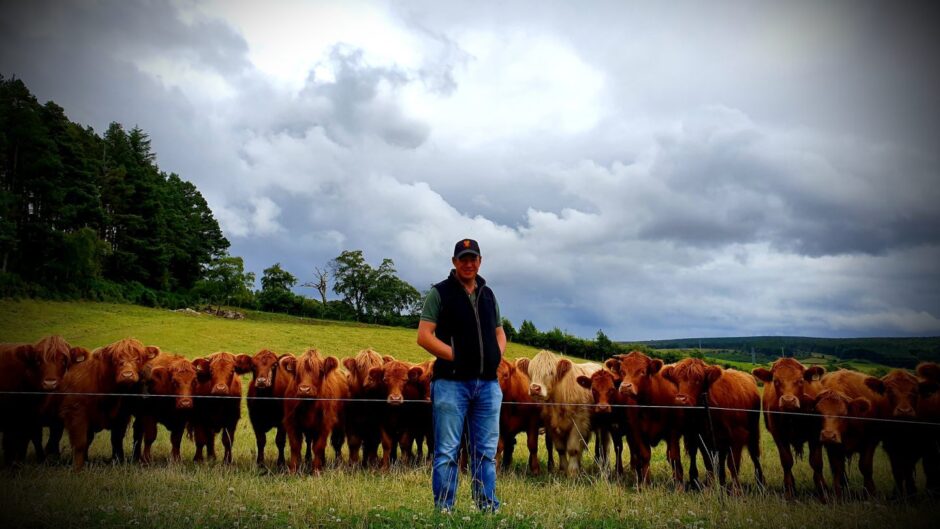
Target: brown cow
<point>93,398</point>
<point>390,380</point>
<point>517,414</point>
<point>791,387</point>
<point>363,413</point>
<point>268,384</point>
<point>642,384</point>
<point>554,382</point>
<point>218,404</point>
<point>417,408</point>
<point>31,368</point>
<point>316,397</point>
<point>723,432</point>
<point>846,398</point>
<point>606,416</point>
<point>903,442</point>
<point>928,409</point>
<point>166,375</point>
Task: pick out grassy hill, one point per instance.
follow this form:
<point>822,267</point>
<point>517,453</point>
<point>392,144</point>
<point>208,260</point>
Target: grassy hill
<point>95,324</point>
<point>187,495</point>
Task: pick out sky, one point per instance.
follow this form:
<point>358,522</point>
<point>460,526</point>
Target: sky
<point>652,169</point>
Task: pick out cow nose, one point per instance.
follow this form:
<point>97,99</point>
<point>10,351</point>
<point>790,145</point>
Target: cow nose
<point>304,389</point>
<point>789,402</point>
<point>904,411</point>
<point>681,398</point>
<point>603,408</point>
<point>50,383</point>
<point>185,403</point>
<point>628,389</point>
<point>829,436</point>
<point>262,382</point>
<point>219,389</point>
<point>395,400</point>
<point>535,389</point>
<point>128,374</point>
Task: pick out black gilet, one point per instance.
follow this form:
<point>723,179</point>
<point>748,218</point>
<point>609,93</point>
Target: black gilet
<point>469,330</point>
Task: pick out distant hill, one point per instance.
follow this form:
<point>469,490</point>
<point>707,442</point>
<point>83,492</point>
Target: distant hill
<point>895,352</point>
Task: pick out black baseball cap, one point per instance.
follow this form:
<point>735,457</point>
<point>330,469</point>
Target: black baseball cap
<point>465,246</point>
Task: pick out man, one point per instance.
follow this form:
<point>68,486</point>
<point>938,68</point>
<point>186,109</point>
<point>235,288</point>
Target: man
<point>460,325</point>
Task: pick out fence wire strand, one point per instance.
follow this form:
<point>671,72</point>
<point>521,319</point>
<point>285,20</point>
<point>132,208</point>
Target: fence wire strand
<point>702,407</point>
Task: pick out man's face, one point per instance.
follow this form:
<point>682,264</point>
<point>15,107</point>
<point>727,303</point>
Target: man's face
<point>467,266</point>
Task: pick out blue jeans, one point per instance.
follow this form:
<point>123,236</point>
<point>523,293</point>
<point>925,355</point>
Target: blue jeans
<point>474,403</point>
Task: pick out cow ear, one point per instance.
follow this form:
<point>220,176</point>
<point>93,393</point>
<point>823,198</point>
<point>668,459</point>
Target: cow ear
<point>655,365</point>
<point>821,395</point>
<point>288,362</point>
<point>814,373</point>
<point>876,385</point>
<point>329,364</point>
<point>105,353</point>
<point>415,373</point>
<point>202,368</point>
<point>78,354</point>
<point>613,365</point>
<point>26,353</point>
<point>151,352</point>
<point>928,388</point>
<point>522,364</point>
<point>763,374</point>
<point>564,366</point>
<point>859,406</point>
<point>388,358</point>
<point>584,382</point>
<point>712,374</point>
<point>159,374</point>
<point>667,373</point>
<point>350,364</point>
<point>376,374</point>
<point>929,370</point>
<point>243,364</point>
<point>807,402</point>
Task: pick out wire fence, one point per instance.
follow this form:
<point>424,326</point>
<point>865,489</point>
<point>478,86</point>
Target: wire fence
<point>680,407</point>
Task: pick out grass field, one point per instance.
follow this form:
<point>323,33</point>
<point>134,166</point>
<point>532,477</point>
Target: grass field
<point>239,496</point>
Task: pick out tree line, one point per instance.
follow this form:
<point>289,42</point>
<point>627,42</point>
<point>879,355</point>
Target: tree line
<point>88,216</point>
<point>598,349</point>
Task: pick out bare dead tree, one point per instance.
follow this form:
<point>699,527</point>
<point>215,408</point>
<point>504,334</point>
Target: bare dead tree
<point>321,282</point>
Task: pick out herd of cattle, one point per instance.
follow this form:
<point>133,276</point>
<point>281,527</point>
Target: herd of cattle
<point>370,400</point>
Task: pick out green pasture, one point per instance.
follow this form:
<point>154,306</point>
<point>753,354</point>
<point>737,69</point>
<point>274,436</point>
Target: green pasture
<point>186,495</point>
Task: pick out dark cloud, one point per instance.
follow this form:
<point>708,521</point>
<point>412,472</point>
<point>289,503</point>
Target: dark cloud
<point>770,172</point>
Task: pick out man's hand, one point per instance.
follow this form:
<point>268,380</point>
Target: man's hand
<point>432,344</point>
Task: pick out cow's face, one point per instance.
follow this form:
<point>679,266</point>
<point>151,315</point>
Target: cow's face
<point>49,359</point>
<point>604,389</point>
<point>262,366</point>
<point>836,409</point>
<point>790,380</point>
<point>901,391</point>
<point>178,378</point>
<point>544,372</point>
<point>635,370</point>
<point>392,377</point>
<point>307,375</point>
<point>126,358</point>
<point>221,372</point>
<point>692,377</point>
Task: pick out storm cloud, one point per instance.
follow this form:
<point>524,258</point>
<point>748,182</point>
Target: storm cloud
<point>731,168</point>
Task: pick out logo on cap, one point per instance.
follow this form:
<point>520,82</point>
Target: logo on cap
<point>466,243</point>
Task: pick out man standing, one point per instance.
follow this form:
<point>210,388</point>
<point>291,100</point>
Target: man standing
<point>460,325</point>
